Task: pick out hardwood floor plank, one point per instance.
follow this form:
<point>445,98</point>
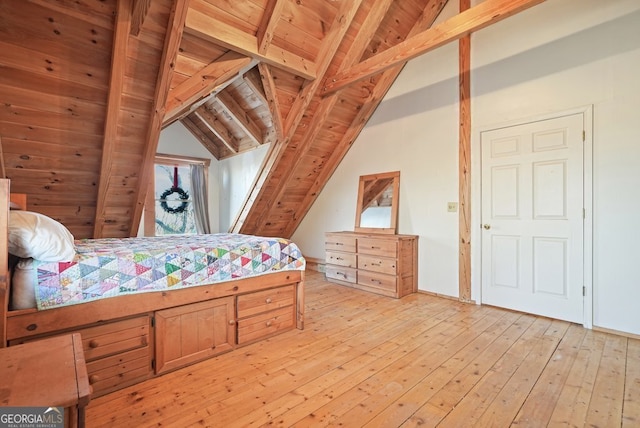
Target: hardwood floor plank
<point>365,359</point>
<point>631,404</point>
<point>605,408</point>
<point>541,401</point>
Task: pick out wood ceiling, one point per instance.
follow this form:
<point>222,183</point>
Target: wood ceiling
<point>86,87</point>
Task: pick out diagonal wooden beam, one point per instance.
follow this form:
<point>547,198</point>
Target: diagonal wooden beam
<point>203,138</point>
<point>218,128</point>
<point>429,15</point>
<point>267,27</point>
<point>140,9</point>
<point>240,117</point>
<point>116,85</point>
<point>270,93</point>
<point>172,40</point>
<point>215,31</point>
<point>211,78</point>
<point>473,19</point>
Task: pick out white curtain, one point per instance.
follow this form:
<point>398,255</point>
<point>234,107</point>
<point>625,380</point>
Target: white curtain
<point>200,198</point>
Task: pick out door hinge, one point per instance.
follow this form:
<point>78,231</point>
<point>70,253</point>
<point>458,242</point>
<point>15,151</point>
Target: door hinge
<point>584,213</point>
<point>584,291</point>
<point>584,136</point>
<point>153,364</point>
<point>153,321</point>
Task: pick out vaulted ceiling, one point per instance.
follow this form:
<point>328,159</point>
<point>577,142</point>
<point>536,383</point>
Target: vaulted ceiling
<point>86,86</point>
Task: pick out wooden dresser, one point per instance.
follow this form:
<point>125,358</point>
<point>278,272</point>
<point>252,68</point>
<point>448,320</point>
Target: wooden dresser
<point>381,263</point>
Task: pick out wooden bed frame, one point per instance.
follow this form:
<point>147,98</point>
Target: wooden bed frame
<point>128,339</point>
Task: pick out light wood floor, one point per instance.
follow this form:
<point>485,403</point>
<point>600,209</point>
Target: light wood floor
<point>366,360</point>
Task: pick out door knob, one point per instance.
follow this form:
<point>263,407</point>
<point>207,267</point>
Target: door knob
<point>486,226</point>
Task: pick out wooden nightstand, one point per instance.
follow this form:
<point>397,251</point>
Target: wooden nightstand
<point>46,373</point>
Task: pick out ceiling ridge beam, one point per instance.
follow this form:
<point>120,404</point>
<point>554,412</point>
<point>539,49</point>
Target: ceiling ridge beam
<point>213,77</point>
<point>466,22</point>
<point>213,30</point>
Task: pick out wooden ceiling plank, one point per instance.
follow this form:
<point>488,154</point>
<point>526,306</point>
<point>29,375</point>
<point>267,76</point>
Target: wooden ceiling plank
<point>140,9</point>
<point>328,49</point>
<point>175,28</point>
<point>116,84</point>
<point>269,86</point>
<point>466,22</point>
<point>225,35</point>
<point>210,121</point>
<point>266,30</point>
<point>200,136</point>
<point>240,117</point>
<point>214,77</point>
<point>253,81</point>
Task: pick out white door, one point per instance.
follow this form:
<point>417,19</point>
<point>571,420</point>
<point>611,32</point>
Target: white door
<point>532,217</point>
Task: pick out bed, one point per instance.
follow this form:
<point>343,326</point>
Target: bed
<point>166,308</point>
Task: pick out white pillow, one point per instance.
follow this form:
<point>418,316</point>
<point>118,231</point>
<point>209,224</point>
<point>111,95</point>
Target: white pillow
<point>23,293</point>
<point>33,235</point>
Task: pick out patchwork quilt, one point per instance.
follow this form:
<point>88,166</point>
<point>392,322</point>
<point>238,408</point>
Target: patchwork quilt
<point>112,267</point>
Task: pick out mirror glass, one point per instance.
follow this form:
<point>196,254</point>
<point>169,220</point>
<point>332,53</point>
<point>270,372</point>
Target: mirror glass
<point>377,209</point>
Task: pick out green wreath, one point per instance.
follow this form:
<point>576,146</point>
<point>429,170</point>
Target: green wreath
<point>183,197</point>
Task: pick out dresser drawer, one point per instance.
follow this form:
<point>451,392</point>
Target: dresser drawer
<point>378,264</point>
<point>119,370</point>
<point>115,337</point>
<point>341,259</point>
<point>340,242</point>
<point>377,247</point>
<point>265,324</point>
<point>341,273</point>
<point>377,280</point>
<point>263,301</point>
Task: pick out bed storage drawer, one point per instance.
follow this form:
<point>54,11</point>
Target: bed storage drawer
<point>194,332</point>
<point>115,337</point>
<point>266,324</point>
<point>263,301</point>
<point>109,373</point>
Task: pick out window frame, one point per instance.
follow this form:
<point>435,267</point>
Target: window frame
<point>150,200</point>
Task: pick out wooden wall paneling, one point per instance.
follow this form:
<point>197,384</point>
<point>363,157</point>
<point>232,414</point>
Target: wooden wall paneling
<point>4,262</point>
<point>473,19</point>
<point>175,28</point>
<point>464,166</point>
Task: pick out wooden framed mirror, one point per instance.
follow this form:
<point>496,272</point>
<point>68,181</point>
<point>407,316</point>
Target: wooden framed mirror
<point>378,197</point>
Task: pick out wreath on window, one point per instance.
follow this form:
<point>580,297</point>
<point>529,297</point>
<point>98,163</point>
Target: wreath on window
<point>184,196</point>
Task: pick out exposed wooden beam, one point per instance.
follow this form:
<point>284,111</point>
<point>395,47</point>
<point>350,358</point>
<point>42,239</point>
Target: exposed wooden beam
<point>116,84</point>
<point>429,15</point>
<point>140,9</point>
<point>330,44</point>
<point>272,13</point>
<point>218,128</point>
<point>215,31</point>
<point>211,78</point>
<point>200,136</point>
<point>473,19</point>
<point>240,117</point>
<point>172,40</point>
<point>271,95</point>
<point>464,165</point>
<point>252,80</point>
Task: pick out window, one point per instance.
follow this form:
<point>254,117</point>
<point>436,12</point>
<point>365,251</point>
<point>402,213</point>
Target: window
<point>170,204</point>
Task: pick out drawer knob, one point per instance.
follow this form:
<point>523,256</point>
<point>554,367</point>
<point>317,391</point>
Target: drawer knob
<point>93,379</point>
<point>93,344</point>
<point>269,323</point>
<point>232,322</point>
<point>268,300</point>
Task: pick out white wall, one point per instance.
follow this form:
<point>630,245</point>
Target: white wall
<point>237,174</point>
<point>557,56</point>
